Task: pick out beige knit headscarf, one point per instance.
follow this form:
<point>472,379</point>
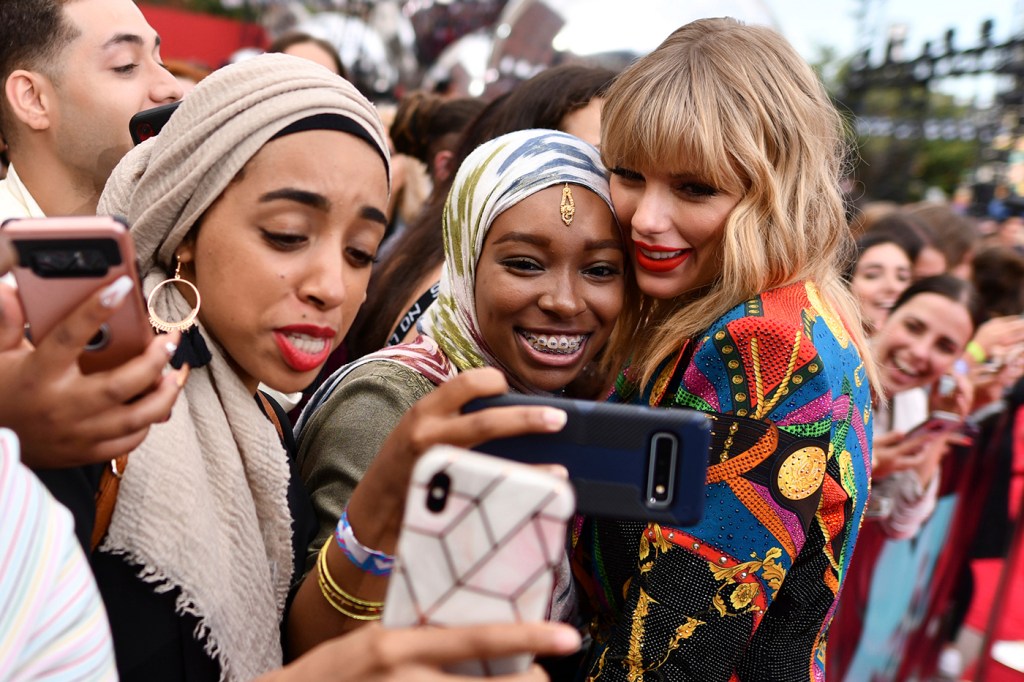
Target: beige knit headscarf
<point>202,507</point>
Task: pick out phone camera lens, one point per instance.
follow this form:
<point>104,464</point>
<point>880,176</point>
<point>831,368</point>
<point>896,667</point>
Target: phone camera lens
<point>100,340</point>
<point>437,492</point>
<point>661,469</point>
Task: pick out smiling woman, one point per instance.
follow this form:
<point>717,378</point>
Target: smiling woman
<point>882,270</point>
<point>726,155</point>
<point>907,522</point>
<point>526,287</point>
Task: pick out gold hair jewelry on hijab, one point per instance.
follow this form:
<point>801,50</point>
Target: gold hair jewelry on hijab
<point>568,206</point>
<point>499,174</point>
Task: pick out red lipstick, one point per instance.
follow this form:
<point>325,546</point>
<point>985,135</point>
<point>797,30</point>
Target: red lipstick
<point>658,264</point>
<point>304,347</point>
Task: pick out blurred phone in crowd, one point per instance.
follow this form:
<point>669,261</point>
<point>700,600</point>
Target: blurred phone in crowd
<point>63,261</point>
<point>149,123</point>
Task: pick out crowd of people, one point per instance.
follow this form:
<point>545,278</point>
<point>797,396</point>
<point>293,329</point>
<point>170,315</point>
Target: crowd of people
<point>674,236</point>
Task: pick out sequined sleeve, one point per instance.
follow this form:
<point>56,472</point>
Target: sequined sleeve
<point>748,592</point>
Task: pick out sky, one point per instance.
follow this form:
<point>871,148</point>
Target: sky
<point>809,25</point>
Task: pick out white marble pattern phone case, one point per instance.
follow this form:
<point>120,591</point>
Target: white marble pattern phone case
<point>480,542</point>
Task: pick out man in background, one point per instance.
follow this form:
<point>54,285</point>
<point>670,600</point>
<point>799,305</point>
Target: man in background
<point>74,72</point>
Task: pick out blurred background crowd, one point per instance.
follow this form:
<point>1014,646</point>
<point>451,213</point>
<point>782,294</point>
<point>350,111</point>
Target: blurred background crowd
<point>936,188</point>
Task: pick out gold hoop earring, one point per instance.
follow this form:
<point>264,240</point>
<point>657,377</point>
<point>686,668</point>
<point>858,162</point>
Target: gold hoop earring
<point>190,319</point>
<point>568,207</point>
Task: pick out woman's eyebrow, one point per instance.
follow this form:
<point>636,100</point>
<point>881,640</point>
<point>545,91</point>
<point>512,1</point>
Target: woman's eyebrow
<point>375,214</point>
<point>299,196</point>
<point>319,202</point>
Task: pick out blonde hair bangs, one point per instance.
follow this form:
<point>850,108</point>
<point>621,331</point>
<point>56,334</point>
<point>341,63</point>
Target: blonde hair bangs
<point>738,107</point>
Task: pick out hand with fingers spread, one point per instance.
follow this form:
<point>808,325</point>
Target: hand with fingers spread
<point>65,418</point>
<point>376,507</point>
<point>375,654</point>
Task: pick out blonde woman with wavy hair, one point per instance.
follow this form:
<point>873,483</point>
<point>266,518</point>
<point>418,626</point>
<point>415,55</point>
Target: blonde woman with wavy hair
<point>726,157</point>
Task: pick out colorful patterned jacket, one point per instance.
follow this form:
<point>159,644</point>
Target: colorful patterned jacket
<point>748,593</point>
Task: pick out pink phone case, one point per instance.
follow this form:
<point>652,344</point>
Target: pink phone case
<point>481,539</point>
<point>48,300</point>
<point>938,422</point>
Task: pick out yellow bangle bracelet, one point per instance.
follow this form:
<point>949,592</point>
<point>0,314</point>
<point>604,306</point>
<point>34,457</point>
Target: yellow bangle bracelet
<point>343,602</point>
<point>344,610</point>
<point>976,352</point>
<point>326,573</point>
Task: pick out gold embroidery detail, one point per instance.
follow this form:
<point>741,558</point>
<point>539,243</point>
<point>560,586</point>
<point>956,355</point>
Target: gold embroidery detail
<point>727,349</point>
<point>634,658</point>
<point>600,666</point>
<point>762,408</point>
<point>743,595</point>
<point>719,336</point>
<point>832,321</point>
<point>568,207</point>
<point>685,631</point>
<point>734,364</point>
<point>802,473</point>
<point>737,379</point>
<point>733,428</point>
<point>741,397</point>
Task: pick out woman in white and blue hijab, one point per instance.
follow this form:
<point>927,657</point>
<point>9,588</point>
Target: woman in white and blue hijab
<point>533,283</point>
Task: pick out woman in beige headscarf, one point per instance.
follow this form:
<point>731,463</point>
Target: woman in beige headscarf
<point>266,193</point>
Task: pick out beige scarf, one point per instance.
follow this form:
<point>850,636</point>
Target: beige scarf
<point>203,507</point>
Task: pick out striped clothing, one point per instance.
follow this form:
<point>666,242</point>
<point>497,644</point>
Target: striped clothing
<point>52,622</point>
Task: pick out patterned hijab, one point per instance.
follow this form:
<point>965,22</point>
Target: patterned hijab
<point>496,176</point>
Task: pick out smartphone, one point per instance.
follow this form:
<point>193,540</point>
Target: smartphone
<point>938,422</point>
<point>480,541</point>
<point>629,462</point>
<point>63,261</point>
<point>150,122</point>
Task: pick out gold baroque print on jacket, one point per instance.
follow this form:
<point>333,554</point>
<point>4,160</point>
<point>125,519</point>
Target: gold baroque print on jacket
<point>745,593</point>
<point>740,589</point>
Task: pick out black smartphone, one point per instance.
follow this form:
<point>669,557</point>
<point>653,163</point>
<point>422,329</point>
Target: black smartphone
<point>149,123</point>
<point>625,461</point>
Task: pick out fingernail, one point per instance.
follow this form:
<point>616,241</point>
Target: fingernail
<point>170,347</point>
<point>115,292</point>
<point>182,375</point>
<point>555,418</point>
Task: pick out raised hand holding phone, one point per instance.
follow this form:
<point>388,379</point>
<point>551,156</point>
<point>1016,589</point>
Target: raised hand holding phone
<point>481,540</point>
<point>63,416</point>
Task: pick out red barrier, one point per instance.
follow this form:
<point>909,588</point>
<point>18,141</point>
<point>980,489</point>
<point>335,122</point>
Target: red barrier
<point>201,38</point>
